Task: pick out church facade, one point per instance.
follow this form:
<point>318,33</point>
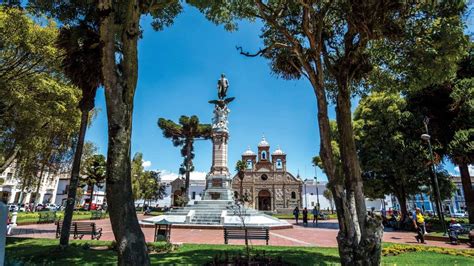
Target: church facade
<point>267,185</point>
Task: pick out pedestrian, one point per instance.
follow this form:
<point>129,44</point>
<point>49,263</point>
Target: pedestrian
<point>419,223</point>
<point>305,217</point>
<point>296,213</point>
<point>315,215</point>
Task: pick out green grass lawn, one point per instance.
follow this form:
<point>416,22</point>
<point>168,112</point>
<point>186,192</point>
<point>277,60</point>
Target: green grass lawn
<point>32,217</point>
<point>44,251</point>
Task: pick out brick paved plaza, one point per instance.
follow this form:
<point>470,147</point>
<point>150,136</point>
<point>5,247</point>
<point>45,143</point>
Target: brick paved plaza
<point>322,236</point>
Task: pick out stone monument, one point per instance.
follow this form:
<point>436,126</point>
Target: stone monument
<point>218,206</point>
<point>218,180</point>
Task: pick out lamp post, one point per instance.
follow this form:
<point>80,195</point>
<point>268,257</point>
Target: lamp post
<point>317,189</point>
<point>305,195</point>
<point>426,137</point>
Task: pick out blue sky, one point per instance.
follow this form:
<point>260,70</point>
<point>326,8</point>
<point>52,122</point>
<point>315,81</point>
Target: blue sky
<point>178,71</point>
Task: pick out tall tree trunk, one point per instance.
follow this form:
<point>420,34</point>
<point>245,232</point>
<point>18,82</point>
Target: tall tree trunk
<point>10,158</point>
<point>468,191</point>
<point>360,243</point>
<point>189,144</point>
<point>120,82</point>
<point>38,187</point>
<point>91,196</point>
<point>73,183</point>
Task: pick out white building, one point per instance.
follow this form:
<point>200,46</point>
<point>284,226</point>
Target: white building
<point>14,191</point>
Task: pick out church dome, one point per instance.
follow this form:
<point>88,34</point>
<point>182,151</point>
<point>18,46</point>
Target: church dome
<point>278,151</point>
<point>263,143</point>
<point>248,152</point>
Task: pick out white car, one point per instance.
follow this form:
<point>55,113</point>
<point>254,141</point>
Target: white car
<point>458,214</point>
<point>12,207</point>
<point>51,206</point>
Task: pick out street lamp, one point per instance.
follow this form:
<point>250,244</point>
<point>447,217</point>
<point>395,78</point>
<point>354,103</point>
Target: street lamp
<point>426,137</point>
<point>317,189</point>
<point>305,196</point>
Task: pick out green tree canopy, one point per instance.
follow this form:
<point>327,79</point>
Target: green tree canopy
<point>183,135</point>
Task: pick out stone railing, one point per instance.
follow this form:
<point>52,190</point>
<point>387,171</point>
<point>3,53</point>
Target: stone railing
<point>190,216</point>
<point>223,215</point>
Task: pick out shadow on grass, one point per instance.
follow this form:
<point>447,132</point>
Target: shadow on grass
<point>27,251</point>
<point>198,255</point>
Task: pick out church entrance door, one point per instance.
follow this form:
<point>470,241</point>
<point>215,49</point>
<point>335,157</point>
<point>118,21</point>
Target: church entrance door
<point>264,200</point>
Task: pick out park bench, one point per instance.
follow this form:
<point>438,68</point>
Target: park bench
<point>46,217</point>
<point>79,229</point>
<point>257,233</point>
<point>97,215</point>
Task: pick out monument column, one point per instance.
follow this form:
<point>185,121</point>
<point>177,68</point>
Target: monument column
<point>219,181</point>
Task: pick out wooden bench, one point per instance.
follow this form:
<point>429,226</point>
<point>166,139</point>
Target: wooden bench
<point>79,229</point>
<point>257,233</point>
<point>97,215</point>
<point>46,217</point>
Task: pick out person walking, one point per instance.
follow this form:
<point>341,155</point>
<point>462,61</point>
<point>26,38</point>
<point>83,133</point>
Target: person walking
<point>296,213</point>
<point>305,217</point>
<point>419,224</point>
<point>315,215</point>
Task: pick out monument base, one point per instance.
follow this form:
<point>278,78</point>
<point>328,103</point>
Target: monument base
<point>216,214</point>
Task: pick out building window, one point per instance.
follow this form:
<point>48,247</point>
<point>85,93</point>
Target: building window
<point>9,176</point>
<point>312,194</point>
<point>279,164</point>
<point>293,195</point>
<point>264,177</point>
<point>264,155</point>
<point>236,195</point>
<point>193,195</point>
<point>249,164</point>
<point>312,203</point>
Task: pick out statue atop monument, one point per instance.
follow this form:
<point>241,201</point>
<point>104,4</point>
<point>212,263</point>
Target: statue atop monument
<point>222,86</point>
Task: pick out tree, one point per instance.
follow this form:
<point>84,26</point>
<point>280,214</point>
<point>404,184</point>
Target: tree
<point>34,113</point>
<point>393,159</point>
<point>81,64</point>
<point>328,195</point>
<point>119,33</point>
<point>37,127</point>
<point>94,174</point>
<point>240,168</point>
<point>152,188</point>
<point>184,134</point>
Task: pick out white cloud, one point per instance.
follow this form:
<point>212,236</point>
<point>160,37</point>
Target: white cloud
<point>170,176</point>
<point>471,170</point>
<point>146,164</point>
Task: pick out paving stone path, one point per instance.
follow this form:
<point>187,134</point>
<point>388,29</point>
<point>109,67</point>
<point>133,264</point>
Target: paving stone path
<point>322,236</point>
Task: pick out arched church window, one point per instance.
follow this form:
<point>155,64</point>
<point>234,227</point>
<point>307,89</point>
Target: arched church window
<point>279,164</point>
<point>264,177</point>
<point>236,195</point>
<point>264,155</point>
<point>293,195</point>
<point>249,164</point>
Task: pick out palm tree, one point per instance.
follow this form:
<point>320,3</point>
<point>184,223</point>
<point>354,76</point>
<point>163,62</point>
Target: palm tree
<point>81,64</point>
<point>240,167</point>
<point>94,174</point>
<point>184,134</point>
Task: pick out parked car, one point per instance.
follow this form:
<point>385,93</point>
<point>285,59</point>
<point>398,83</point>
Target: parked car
<point>458,214</point>
<point>52,207</point>
<point>12,207</point>
<point>39,207</point>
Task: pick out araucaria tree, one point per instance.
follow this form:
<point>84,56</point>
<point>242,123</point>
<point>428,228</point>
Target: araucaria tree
<point>94,173</point>
<point>183,135</point>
